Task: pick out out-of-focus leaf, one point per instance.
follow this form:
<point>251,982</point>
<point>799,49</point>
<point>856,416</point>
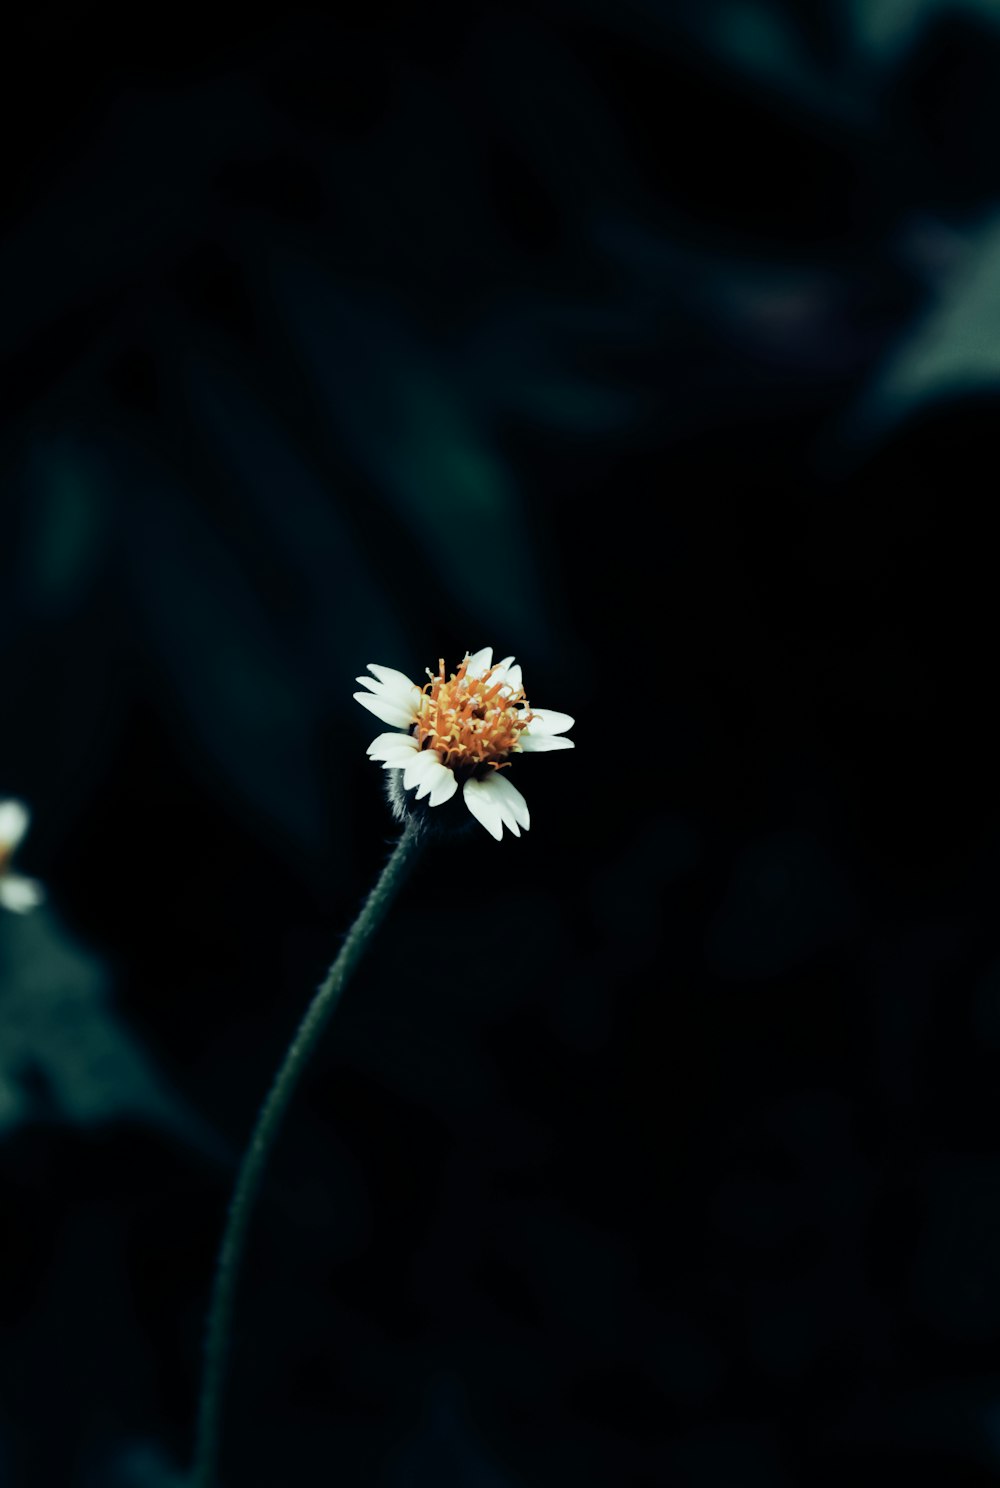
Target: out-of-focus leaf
<point>582,409</point>
<point>525,361</point>
<point>445,1451</point>
<point>415,434</point>
<point>132,196</point>
<point>884,29</point>
<point>66,529</point>
<point>63,1052</point>
<point>352,616</point>
<point>954,350</point>
<point>760,41</point>
<point>141,1465</point>
<point>786,901</point>
<point>238,695</point>
<point>765,42</point>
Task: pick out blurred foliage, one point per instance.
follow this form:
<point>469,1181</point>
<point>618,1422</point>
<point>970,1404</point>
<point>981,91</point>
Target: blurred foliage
<point>656,344</point>
<point>308,380</point>
<point>952,350</point>
<point>64,1053</point>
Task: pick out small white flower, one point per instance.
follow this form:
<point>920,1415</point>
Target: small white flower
<point>16,892</point>
<point>462,730</point>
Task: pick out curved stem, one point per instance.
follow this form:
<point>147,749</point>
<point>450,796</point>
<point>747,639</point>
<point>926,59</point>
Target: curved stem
<point>255,1158</point>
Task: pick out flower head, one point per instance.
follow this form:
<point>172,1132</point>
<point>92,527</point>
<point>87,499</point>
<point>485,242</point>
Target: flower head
<point>462,728</point>
<point>16,892</point>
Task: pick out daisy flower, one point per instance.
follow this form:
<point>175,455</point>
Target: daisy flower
<point>462,730</point>
<point>16,891</point>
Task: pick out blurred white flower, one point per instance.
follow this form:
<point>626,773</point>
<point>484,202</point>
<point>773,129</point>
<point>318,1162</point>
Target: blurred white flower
<point>462,729</point>
<point>16,891</point>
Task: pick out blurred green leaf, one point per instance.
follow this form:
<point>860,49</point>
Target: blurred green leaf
<point>760,40</point>
<point>349,609</point>
<point>416,435</point>
<point>142,1465</point>
<point>64,1054</point>
<point>887,28</point>
<point>67,528</point>
<point>786,901</point>
<point>233,689</point>
<point>445,1450</point>
<point>954,350</point>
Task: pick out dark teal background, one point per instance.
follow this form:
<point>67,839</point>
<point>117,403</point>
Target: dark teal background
<point>657,345</point>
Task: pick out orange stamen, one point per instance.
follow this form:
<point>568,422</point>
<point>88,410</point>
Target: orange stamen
<point>470,722</point>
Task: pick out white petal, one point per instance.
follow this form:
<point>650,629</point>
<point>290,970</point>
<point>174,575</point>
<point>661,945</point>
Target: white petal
<point>383,745</point>
<point>507,674</point>
<point>389,712</point>
<point>14,819</point>
<point>512,803</point>
<point>390,677</point>
<point>417,766</point>
<point>444,789</point>
<point>396,764</point>
<point>530,743</point>
<point>20,894</point>
<point>392,736</point>
<point>479,662</point>
<point>396,761</point>
<point>439,779</point>
<point>484,806</point>
<point>548,721</point>
<point>398,689</point>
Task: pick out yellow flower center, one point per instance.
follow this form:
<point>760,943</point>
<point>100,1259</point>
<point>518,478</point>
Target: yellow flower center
<point>470,721</point>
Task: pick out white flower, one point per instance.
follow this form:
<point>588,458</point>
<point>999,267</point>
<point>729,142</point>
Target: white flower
<point>462,730</point>
<point>16,892</point>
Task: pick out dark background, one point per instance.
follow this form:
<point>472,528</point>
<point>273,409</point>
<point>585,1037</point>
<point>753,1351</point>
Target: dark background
<point>658,345</point>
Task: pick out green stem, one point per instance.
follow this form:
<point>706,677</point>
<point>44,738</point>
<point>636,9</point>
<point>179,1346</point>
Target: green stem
<point>255,1158</point>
